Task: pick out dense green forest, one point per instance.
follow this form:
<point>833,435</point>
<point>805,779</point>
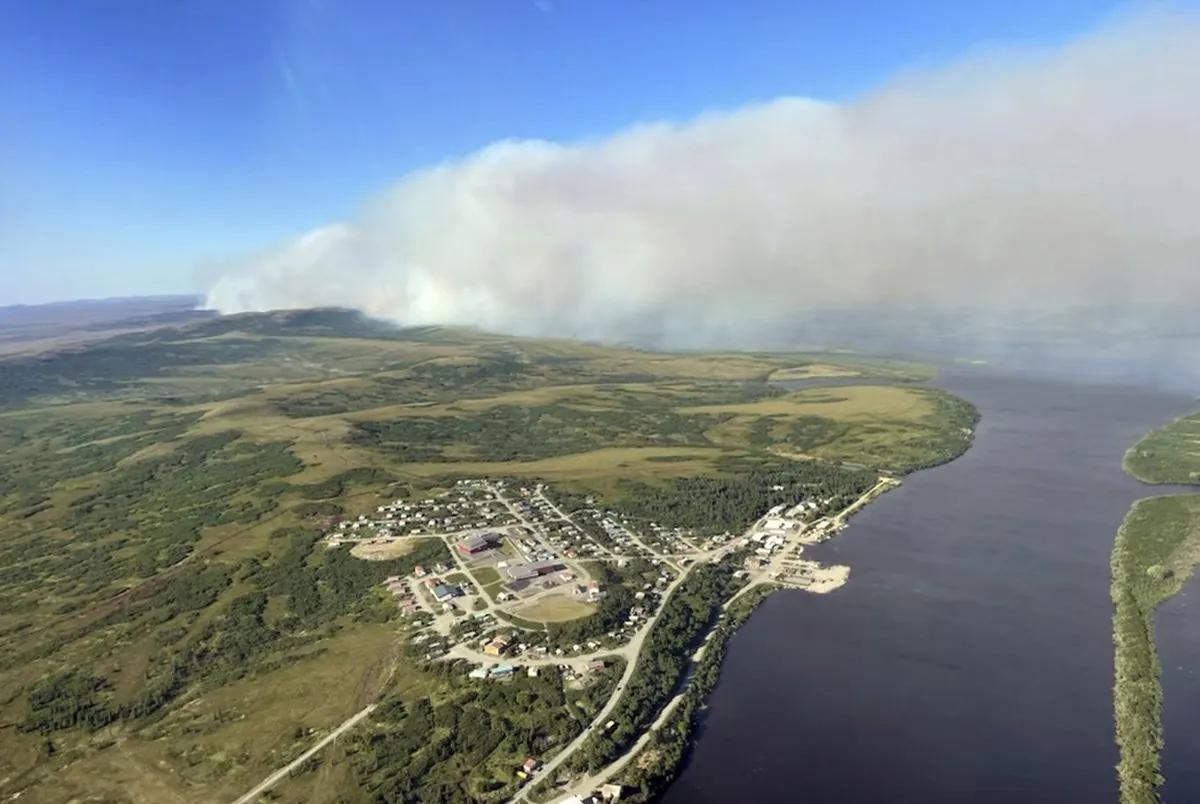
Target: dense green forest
<point>950,430</point>
<point>668,745</point>
<point>466,743</point>
<point>741,495</point>
<point>512,433</point>
<point>337,485</point>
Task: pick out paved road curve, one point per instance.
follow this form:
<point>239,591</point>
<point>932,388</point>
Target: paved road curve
<point>631,652</point>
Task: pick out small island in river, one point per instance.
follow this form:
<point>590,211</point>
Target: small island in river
<point>1155,552</point>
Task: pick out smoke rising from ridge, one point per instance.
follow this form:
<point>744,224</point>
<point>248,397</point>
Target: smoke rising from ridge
<point>1043,180</point>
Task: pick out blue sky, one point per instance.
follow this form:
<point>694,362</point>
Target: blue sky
<point>142,138</point>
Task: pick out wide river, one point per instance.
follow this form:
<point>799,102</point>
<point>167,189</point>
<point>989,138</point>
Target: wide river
<point>969,659</point>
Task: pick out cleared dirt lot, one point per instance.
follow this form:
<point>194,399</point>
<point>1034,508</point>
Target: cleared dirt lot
<point>382,552</point>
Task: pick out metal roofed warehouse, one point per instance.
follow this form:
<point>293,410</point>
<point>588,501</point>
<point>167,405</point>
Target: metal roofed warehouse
<point>521,572</point>
<point>477,543</point>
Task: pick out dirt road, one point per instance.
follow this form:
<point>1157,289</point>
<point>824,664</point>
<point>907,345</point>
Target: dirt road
<point>274,779</point>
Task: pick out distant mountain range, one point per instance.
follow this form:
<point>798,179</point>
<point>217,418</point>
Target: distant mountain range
<point>96,310</point>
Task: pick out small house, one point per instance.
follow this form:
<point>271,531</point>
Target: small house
<point>443,592</point>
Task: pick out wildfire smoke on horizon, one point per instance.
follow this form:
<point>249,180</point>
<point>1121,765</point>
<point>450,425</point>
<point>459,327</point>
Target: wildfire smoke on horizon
<point>1011,180</point>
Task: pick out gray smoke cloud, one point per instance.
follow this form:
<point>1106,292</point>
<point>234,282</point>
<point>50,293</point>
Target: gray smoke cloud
<point>1008,180</point>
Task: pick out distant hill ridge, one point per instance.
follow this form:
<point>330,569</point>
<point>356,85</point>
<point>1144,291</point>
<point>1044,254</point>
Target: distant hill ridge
<point>318,322</point>
<point>98,309</point>
<point>111,359</point>
<point>37,328</point>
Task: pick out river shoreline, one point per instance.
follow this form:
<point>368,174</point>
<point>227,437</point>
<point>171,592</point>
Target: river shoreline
<point>1154,554</point>
<point>659,758</point>
<point>980,606</point>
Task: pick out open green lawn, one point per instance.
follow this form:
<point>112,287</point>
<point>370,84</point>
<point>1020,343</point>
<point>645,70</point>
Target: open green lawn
<point>171,627</point>
<point>485,576</point>
<point>554,609</point>
<point>489,580</point>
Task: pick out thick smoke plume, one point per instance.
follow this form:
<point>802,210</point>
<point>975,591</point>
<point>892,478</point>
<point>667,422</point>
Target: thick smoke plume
<point>1031,180</point>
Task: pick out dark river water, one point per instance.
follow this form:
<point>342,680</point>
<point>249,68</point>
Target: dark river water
<point>969,659</point>
<point>1177,633</point>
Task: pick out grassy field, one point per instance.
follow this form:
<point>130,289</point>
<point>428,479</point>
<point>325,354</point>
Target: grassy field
<point>885,427</point>
<point>1154,555</point>
<point>486,575</point>
<point>489,580</point>
<point>223,742</point>
<point>171,628</point>
<point>840,403</point>
<point>521,622</point>
<point>554,609</point>
<point>813,371</point>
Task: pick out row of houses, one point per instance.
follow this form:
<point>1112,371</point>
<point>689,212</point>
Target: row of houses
<point>507,670</point>
<point>802,508</point>
<point>465,509</point>
<point>607,793</point>
<point>400,590</point>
